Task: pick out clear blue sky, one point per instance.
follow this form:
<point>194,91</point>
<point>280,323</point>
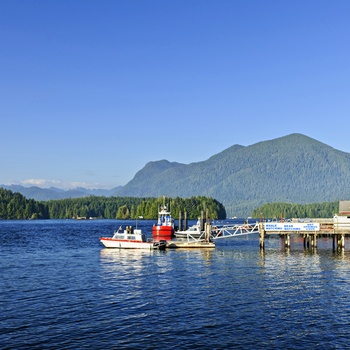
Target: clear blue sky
<point>92,90</point>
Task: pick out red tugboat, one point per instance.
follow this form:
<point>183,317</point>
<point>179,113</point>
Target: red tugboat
<point>164,228</point>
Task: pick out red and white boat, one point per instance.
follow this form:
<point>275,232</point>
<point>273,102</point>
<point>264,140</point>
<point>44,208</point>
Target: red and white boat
<point>131,239</point>
<point>164,228</point>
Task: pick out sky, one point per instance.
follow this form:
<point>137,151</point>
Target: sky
<point>92,90</point>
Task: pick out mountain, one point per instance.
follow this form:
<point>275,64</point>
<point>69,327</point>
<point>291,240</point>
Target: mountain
<point>44,194</point>
<point>293,168</point>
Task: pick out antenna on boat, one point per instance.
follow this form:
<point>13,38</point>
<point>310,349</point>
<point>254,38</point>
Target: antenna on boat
<point>138,217</point>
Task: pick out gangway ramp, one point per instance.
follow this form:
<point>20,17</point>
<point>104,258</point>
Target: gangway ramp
<point>228,231</point>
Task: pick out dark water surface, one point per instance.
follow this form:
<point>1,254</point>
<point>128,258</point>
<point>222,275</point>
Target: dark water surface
<point>60,289</point>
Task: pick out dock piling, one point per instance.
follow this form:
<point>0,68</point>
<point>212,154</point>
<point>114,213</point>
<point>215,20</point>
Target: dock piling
<point>180,221</point>
<point>287,240</point>
<point>262,236</point>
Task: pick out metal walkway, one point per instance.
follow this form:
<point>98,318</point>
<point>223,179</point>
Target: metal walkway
<point>221,232</point>
<point>227,231</point>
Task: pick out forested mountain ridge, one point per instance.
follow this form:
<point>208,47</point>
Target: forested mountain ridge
<point>16,206</point>
<point>133,207</point>
<point>293,168</point>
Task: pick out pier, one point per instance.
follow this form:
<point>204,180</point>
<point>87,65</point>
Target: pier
<point>336,228</point>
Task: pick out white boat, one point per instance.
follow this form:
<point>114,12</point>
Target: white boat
<point>131,239</point>
<point>193,231</point>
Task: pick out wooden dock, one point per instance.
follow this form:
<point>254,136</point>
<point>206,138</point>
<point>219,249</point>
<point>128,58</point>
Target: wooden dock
<point>336,228</point>
<point>193,244</point>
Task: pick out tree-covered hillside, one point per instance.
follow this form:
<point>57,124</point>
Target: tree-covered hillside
<point>293,210</point>
<point>132,207</point>
<point>16,206</point>
<point>293,168</point>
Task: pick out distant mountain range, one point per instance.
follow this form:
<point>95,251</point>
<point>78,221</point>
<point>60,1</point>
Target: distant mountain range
<point>293,168</point>
<point>44,194</point>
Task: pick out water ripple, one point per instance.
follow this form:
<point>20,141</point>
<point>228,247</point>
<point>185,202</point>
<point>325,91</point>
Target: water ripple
<point>61,289</point>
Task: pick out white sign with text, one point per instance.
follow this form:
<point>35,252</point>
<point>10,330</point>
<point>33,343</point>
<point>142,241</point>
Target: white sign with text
<point>281,226</point>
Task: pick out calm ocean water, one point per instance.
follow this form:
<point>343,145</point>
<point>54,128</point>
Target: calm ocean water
<point>60,289</point>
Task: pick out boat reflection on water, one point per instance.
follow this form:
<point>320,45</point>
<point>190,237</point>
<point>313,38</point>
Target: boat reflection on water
<point>124,255</point>
<point>125,261</point>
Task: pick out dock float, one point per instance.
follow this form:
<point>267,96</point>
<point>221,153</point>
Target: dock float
<point>187,244</point>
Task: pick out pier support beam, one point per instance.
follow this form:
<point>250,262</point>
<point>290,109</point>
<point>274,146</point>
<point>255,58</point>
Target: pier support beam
<point>202,220</point>
<point>207,231</point>
<point>341,241</point>
<point>310,239</point>
<point>287,240</point>
<point>307,241</point>
<point>314,241</point>
<point>262,236</point>
<point>338,241</point>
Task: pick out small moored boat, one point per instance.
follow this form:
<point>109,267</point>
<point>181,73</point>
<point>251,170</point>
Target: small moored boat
<point>193,231</point>
<point>131,239</point>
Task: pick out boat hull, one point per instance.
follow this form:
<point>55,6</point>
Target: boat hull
<point>160,233</point>
<point>123,244</point>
